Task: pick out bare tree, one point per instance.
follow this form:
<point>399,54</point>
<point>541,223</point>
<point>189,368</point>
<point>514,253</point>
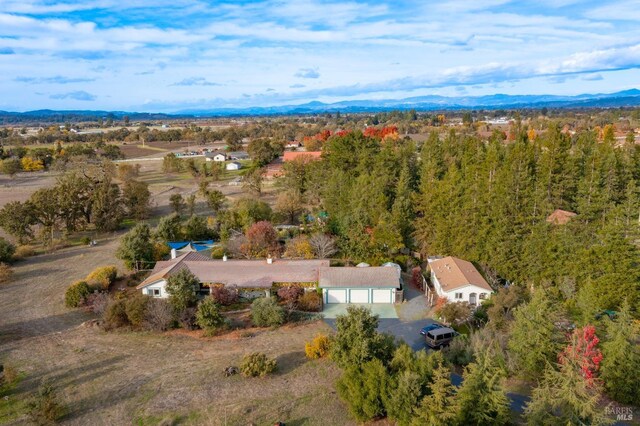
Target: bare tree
<point>323,245</point>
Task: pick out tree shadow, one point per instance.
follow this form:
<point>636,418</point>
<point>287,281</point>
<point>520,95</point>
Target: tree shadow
<point>290,361</point>
<point>37,327</point>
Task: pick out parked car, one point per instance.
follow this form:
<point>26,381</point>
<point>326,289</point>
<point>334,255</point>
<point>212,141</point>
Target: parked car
<point>425,330</point>
<point>440,337</point>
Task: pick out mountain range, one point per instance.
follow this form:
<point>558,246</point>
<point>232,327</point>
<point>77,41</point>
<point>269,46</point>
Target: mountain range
<point>627,98</point>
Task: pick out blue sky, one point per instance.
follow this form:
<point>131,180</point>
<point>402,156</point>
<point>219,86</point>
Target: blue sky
<point>171,55</point>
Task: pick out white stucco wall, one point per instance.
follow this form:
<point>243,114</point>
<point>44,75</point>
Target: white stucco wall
<point>159,285</point>
<point>466,292</point>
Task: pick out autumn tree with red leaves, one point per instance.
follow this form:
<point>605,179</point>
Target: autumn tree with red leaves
<point>262,240</point>
<point>584,352</point>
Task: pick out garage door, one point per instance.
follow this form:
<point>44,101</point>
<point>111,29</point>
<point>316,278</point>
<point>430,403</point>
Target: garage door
<point>382,296</point>
<point>359,296</point>
<point>336,296</point>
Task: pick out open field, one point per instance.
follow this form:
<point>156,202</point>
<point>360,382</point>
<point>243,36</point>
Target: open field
<point>143,378</point>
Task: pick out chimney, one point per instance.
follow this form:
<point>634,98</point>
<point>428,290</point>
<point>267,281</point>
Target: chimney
<point>224,258</point>
<point>269,260</point>
<point>174,253</point>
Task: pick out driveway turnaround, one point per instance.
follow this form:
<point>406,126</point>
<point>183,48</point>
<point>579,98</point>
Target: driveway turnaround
<point>383,310</point>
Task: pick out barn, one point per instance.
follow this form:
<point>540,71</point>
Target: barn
<point>359,285</point>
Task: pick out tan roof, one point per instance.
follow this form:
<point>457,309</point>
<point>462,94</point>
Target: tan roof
<point>560,217</point>
<point>243,273</point>
<point>453,273</point>
<point>164,268</point>
<point>376,276</point>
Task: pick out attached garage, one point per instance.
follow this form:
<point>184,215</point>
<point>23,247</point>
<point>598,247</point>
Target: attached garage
<point>359,295</point>
<point>335,296</point>
<point>358,285</point>
<point>382,295</point>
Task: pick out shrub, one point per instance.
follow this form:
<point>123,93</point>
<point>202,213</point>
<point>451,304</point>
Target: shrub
<point>459,351</point>
<point>265,312</point>
<point>310,301</point>
<point>5,273</point>
<point>97,302</point>
<point>257,365</point>
<point>102,277</point>
<point>159,315</point>
<point>416,277</point>
<point>6,250</point>
<point>208,316</point>
<point>115,315</point>
<point>160,251</point>
<point>187,318</point>
<point>290,295</point>
<point>85,240</point>
<point>45,408</point>
<point>76,294</point>
<point>225,295</point>
<point>318,348</point>
<point>23,252</point>
<point>455,312</point>
<point>136,309</point>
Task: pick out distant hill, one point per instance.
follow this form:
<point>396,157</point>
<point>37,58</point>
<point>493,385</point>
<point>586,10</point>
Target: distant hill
<point>627,98</point>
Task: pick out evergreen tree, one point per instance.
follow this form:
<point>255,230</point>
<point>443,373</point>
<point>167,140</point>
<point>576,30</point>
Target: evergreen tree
<point>482,399</point>
<point>362,388</point>
<point>620,368</point>
<point>534,339</point>
<point>136,248</point>
<point>181,287</point>
<point>437,409</point>
<point>168,228</point>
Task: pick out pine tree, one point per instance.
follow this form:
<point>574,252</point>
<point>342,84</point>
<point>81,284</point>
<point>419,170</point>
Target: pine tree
<point>534,339</point>
<point>362,388</point>
<point>436,409</point>
<point>620,368</point>
<point>482,399</point>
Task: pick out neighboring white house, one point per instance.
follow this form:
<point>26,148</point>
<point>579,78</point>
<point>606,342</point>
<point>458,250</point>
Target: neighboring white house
<point>210,156</point>
<point>234,165</point>
<point>458,281</point>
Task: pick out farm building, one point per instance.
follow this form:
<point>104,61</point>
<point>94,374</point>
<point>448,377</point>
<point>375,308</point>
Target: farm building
<point>234,165</point>
<point>458,281</point>
<point>255,278</point>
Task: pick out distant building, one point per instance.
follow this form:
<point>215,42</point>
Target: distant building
<point>458,280</point>
<point>560,217</point>
<point>237,155</point>
<point>234,165</point>
<point>212,156</point>
<point>305,155</point>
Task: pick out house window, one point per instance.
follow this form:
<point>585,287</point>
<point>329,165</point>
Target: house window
<point>483,296</point>
<point>459,296</point>
<point>155,292</point>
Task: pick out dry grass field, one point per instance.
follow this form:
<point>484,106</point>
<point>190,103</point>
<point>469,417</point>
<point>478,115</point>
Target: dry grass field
<point>121,378</point>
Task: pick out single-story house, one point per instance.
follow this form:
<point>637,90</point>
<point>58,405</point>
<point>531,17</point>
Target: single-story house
<point>234,165</point>
<point>238,155</point>
<point>359,285</point>
<point>254,278</point>
<point>215,156</point>
<point>458,281</point>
